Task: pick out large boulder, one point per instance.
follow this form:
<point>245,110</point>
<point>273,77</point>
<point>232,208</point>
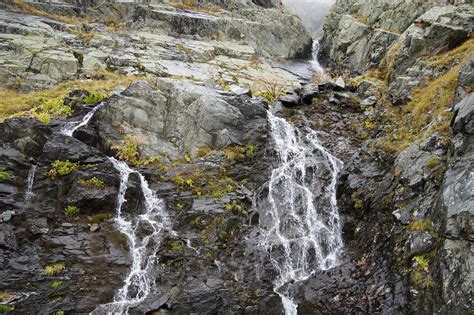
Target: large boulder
<point>179,117</point>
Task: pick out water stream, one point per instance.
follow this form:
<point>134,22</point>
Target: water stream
<point>29,194</point>
<point>144,232</point>
<point>302,229</point>
<point>71,127</point>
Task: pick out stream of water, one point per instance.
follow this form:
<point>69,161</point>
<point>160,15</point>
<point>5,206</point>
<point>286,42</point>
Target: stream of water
<point>303,232</point>
<point>29,194</point>
<point>71,127</point>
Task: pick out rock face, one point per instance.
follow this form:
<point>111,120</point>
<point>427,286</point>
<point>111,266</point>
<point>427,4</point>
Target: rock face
<point>394,35</point>
<point>178,117</point>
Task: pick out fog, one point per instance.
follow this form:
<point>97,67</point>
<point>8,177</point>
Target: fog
<point>312,13</point>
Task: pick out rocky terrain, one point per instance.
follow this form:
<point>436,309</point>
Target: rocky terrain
<point>179,91</point>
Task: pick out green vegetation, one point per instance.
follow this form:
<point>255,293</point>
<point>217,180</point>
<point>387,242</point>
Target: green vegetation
<point>93,182</point>
<point>98,218</point>
<point>94,97</point>
<point>432,163</point>
<point>71,210</point>
<point>56,284</point>
<point>420,275</point>
<point>423,225</point>
<point>48,103</point>
<point>4,175</point>
<point>61,168</point>
<point>53,269</point>
<point>127,150</point>
<point>175,246</point>
<point>270,91</point>
<point>59,313</point>
<point>6,308</point>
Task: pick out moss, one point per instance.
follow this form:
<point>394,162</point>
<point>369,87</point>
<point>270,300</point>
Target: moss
<point>56,284</point>
<point>93,182</point>
<point>175,246</point>
<point>62,168</point>
<point>423,225</point>
<point>71,210</point>
<point>4,175</point>
<point>98,218</point>
<point>432,163</point>
<point>53,269</point>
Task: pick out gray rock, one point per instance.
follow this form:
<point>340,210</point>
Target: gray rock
<point>7,237</point>
<point>420,243</point>
<point>464,115</point>
<point>6,216</point>
<point>308,92</point>
<point>239,91</point>
<point>370,101</point>
<point>289,100</point>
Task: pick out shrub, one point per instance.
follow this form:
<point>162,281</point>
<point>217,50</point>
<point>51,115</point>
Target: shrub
<point>70,210</point>
<point>61,168</point>
<point>53,269</point>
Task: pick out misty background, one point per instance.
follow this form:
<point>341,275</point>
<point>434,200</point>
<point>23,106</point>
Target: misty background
<point>312,13</point>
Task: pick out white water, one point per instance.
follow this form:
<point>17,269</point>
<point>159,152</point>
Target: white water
<point>302,231</point>
<point>70,128</point>
<point>29,194</point>
<point>144,233</point>
<point>316,66</point>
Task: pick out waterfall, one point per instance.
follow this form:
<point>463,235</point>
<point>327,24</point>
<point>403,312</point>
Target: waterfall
<point>29,185</point>
<point>319,72</point>
<point>71,127</point>
<point>144,233</point>
<point>302,228</point>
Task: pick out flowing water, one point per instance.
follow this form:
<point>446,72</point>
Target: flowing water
<point>302,229</point>
<point>29,194</point>
<point>71,127</point>
<point>144,233</point>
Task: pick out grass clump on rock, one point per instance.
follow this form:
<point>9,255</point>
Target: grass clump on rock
<point>71,210</point>
<point>61,168</point>
<point>53,269</point>
<point>93,182</point>
<point>4,175</point>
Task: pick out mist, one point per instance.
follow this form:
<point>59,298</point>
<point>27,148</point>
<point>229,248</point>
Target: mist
<point>311,12</point>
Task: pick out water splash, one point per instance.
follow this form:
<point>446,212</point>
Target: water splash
<point>144,234</point>
<point>29,194</point>
<point>302,229</point>
<point>318,71</point>
<point>70,127</point>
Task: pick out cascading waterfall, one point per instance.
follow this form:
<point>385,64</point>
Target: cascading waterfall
<point>71,127</point>
<point>315,65</point>
<point>29,185</point>
<point>144,233</point>
<point>302,229</point>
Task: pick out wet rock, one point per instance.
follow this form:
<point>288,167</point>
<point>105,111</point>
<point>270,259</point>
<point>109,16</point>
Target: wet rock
<point>308,92</point>
<point>61,147</point>
<point>420,243</point>
<point>289,100</point>
<point>7,237</point>
<point>6,216</point>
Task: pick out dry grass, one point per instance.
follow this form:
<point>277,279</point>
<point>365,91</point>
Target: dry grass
<point>194,5</point>
<point>13,102</point>
<point>387,64</point>
<point>29,9</point>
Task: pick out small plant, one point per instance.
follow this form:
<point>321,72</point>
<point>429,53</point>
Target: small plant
<point>59,313</point>
<point>50,109</point>
<point>271,91</point>
<point>61,168</point>
<point>94,97</point>
<point>421,262</point>
<point>93,182</point>
<point>250,149</point>
<point>176,246</point>
<point>4,175</point>
<point>127,150</point>
<point>56,284</point>
<point>424,225</point>
<point>70,210</point>
<point>53,269</point>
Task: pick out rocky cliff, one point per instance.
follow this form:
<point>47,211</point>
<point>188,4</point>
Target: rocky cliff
<point>414,60</point>
<point>137,153</point>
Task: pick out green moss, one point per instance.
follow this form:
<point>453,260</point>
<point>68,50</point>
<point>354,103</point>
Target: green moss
<point>71,210</point>
<point>4,175</point>
<point>98,218</point>
<point>423,225</point>
<point>62,168</point>
<point>53,269</point>
<point>175,246</point>
<point>93,182</point>
<point>56,284</point>
<point>94,97</point>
